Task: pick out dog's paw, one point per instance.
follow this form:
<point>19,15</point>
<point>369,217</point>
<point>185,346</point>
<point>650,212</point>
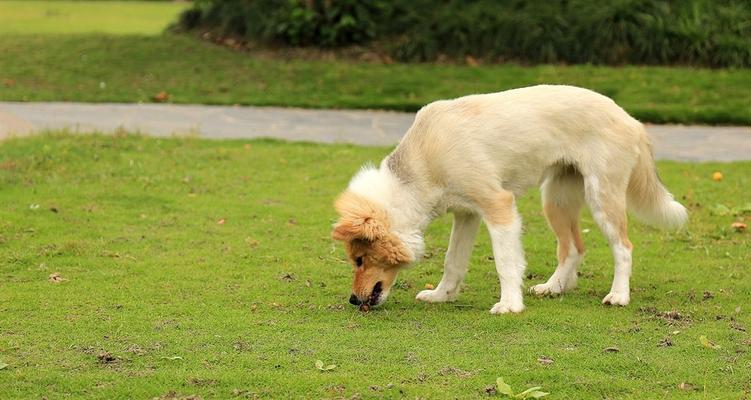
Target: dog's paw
<point>435,296</point>
<point>617,299</point>
<point>505,307</point>
<point>546,289</point>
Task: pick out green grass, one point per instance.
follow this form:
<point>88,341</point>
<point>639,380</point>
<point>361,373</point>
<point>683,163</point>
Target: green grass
<point>96,68</point>
<point>131,224</point>
<point>69,17</point>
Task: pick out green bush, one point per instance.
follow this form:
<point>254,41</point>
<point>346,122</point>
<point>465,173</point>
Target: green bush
<point>694,32</point>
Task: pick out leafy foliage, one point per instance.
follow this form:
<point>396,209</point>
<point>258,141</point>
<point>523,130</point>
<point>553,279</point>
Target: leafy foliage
<point>699,32</point>
<point>531,393</point>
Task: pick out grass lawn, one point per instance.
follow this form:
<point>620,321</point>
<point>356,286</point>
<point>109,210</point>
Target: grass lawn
<point>68,17</point>
<point>77,64</point>
<point>206,268</point>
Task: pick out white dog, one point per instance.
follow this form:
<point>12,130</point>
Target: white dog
<point>474,156</point>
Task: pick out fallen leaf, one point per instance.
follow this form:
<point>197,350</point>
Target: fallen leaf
<point>3,365</point>
<point>161,97</point>
<point>251,242</point>
<point>221,221</point>
<point>471,61</point>
<point>545,360</point>
<point>611,349</point>
<point>364,307</point>
<point>9,164</point>
<point>708,344</point>
<point>173,358</point>
<point>8,82</point>
<point>533,393</point>
<point>503,387</point>
<point>55,277</point>
<point>717,176</point>
<point>739,226</point>
<point>685,386</point>
<point>667,342</point>
<point>321,367</point>
<point>721,209</point>
<point>429,286</point>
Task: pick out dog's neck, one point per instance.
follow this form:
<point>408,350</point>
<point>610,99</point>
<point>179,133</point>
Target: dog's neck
<point>409,209</point>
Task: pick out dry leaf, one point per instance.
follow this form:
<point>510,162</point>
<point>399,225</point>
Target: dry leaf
<point>708,344</point>
<point>739,226</point>
<point>429,286</point>
<point>545,360</point>
<point>717,176</point>
<point>321,367</point>
<point>161,97</point>
<point>55,277</point>
<point>220,222</point>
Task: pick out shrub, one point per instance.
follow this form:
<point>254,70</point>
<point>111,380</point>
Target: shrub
<point>699,32</point>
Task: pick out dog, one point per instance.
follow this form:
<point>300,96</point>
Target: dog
<point>474,156</point>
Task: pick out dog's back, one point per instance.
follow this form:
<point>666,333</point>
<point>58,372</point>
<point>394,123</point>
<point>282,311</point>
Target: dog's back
<point>520,136</point>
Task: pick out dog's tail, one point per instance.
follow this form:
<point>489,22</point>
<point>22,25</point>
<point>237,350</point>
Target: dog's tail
<point>648,199</point>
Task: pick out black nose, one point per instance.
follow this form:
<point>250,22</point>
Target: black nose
<point>354,300</point>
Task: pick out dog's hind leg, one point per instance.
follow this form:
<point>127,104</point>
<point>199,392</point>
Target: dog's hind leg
<point>562,197</point>
<point>457,259</point>
<point>606,198</point>
<point>505,228</point>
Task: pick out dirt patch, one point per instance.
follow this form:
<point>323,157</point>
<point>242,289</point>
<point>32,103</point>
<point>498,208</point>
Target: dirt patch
<point>666,342</point>
<point>202,382</point>
<point>671,317</point>
<point>106,358</point>
<point>172,395</point>
<point>460,373</point>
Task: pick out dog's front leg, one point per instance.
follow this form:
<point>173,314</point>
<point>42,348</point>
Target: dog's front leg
<point>505,233</point>
<point>457,259</point>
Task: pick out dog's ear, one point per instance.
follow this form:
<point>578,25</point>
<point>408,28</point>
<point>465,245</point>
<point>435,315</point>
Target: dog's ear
<point>391,250</point>
<point>359,219</point>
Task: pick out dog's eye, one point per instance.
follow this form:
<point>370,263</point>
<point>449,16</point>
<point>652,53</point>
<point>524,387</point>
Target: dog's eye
<point>358,261</point>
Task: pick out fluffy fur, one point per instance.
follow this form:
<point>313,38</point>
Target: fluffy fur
<point>475,156</point>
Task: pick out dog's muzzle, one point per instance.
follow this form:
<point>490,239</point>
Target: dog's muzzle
<point>372,300</point>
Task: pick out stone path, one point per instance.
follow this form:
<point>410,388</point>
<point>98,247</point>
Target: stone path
<point>382,128</point>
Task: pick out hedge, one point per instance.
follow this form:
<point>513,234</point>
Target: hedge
<point>690,32</point>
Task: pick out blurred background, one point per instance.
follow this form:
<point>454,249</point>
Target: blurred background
<point>664,61</point>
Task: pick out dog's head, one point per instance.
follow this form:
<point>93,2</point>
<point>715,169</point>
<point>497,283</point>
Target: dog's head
<point>375,252</point>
